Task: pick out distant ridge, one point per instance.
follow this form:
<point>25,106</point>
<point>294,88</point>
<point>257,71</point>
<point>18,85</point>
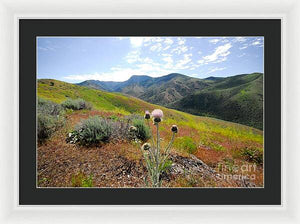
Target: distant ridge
<point>237,98</point>
<point>212,78</point>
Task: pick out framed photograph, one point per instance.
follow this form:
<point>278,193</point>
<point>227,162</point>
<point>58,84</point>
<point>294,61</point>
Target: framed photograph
<point>150,112</point>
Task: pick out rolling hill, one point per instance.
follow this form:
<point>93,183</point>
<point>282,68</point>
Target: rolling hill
<point>58,91</point>
<point>237,98</point>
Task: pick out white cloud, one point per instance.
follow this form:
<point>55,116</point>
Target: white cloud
<point>156,47</point>
<point>47,48</point>
<point>168,59</point>
<point>219,55</point>
<point>156,39</point>
<point>258,42</point>
<point>182,64</point>
<point>146,67</point>
<point>147,60</point>
<point>112,76</point>
<point>241,39</point>
<point>180,49</point>
<point>166,54</point>
<point>255,43</point>
<point>166,48</point>
<point>136,41</point>
<point>133,56</point>
<point>121,74</point>
<point>244,47</point>
<point>193,66</point>
<point>180,41</point>
<point>214,41</point>
<point>169,41</point>
<point>158,44</point>
<point>225,40</point>
<point>241,55</point>
<point>147,41</point>
<point>212,70</point>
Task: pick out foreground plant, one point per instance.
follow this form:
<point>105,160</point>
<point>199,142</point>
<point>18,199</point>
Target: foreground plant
<point>155,157</point>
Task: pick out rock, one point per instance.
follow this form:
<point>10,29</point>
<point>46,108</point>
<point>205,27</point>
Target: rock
<point>193,166</point>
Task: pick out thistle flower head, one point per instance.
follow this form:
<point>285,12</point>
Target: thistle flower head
<point>174,128</point>
<point>146,146</point>
<point>157,113</point>
<point>132,129</point>
<point>147,115</point>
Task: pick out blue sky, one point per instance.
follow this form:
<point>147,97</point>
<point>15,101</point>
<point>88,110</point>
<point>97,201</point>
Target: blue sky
<point>75,59</point>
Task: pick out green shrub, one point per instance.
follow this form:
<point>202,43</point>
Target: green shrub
<point>93,131</point>
<point>113,117</point>
<point>167,165</point>
<point>253,155</point>
<point>77,104</point>
<point>80,180</point>
<point>186,144</point>
<point>143,131</point>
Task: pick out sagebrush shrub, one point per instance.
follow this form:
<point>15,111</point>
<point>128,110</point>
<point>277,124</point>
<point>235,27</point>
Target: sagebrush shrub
<point>49,118</point>
<point>93,131</point>
<point>120,130</point>
<point>46,126</point>
<point>77,104</point>
<point>49,107</point>
<point>143,131</point>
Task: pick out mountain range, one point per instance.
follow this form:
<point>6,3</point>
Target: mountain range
<point>237,98</point>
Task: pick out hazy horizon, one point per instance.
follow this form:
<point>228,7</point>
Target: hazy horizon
<point>152,77</point>
<point>76,59</point>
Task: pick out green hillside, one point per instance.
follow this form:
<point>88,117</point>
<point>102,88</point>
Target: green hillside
<point>58,92</point>
<point>238,99</point>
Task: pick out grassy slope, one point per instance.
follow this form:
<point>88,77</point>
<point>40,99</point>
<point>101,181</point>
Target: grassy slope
<point>216,140</point>
<point>118,103</point>
<point>238,99</point>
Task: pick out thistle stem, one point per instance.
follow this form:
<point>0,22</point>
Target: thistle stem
<point>152,138</point>
<point>157,153</point>
<point>156,157</point>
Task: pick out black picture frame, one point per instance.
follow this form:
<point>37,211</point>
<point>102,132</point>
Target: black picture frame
<point>29,29</point>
